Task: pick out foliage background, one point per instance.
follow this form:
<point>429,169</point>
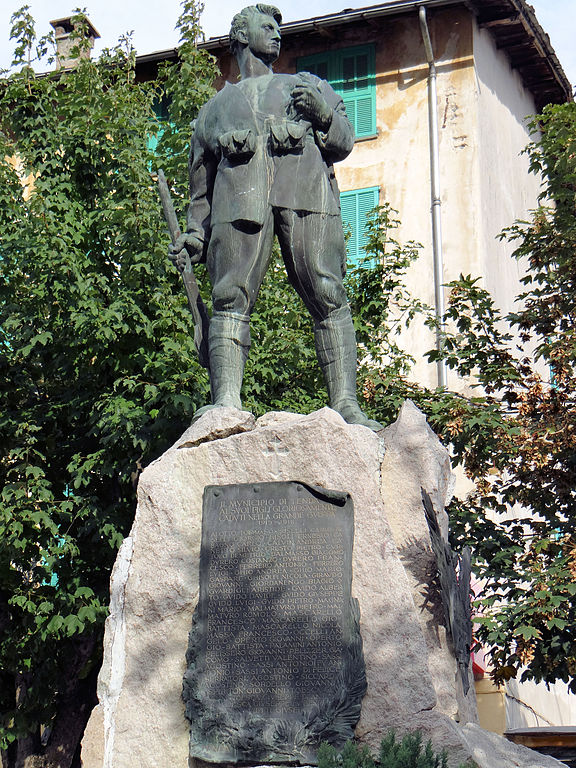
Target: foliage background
<point>99,376</point>
<point>97,361</point>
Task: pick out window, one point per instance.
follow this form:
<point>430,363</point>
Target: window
<point>355,205</point>
<point>351,72</point>
<point>160,107</point>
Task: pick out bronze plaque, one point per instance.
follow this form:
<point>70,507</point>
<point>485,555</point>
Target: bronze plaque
<point>274,663</point>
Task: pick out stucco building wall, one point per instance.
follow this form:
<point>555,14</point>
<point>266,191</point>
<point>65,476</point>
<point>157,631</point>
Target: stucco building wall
<point>507,190</point>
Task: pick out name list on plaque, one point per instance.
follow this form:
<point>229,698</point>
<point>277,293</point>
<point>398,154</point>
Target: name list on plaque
<point>274,664</point>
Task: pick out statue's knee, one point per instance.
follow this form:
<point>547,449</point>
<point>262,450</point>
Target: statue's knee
<point>330,296</point>
<point>230,299</point>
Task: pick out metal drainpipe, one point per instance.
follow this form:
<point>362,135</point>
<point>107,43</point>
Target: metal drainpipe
<point>435,193</point>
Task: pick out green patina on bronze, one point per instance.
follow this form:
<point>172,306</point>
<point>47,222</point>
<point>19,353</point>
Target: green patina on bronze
<point>262,165</point>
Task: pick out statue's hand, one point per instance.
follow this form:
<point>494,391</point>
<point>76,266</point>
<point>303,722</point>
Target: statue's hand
<point>186,245</point>
<point>310,103</point>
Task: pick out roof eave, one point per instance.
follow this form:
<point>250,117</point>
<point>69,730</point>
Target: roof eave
<point>535,38</point>
<point>334,19</point>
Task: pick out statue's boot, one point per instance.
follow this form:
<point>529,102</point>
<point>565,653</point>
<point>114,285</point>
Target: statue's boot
<point>336,349</point>
<point>228,347</point>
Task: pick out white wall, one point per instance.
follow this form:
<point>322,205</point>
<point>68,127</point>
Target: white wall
<point>507,190</point>
<point>533,705</point>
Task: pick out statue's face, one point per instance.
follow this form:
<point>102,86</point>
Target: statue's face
<point>263,37</point>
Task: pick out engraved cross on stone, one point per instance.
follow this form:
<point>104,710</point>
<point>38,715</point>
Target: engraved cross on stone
<point>275,450</point>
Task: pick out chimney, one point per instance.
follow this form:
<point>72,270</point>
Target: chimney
<point>63,29</point>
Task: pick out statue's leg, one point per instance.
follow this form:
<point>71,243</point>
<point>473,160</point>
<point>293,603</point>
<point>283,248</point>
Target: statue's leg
<point>336,349</point>
<point>314,252</point>
<point>228,345</point>
<point>238,256</point>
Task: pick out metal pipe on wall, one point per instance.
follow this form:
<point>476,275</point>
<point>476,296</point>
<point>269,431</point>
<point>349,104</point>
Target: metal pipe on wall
<point>433,135</point>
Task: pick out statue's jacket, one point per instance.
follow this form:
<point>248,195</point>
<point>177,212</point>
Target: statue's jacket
<point>251,150</point>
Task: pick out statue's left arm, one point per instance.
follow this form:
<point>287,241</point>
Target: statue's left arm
<point>338,140</point>
<point>316,100</point>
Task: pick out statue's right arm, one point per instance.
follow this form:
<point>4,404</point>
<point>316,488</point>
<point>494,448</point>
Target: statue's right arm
<point>202,172</point>
<point>201,169</point>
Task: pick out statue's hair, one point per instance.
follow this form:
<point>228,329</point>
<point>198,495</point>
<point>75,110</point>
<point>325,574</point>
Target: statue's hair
<point>240,21</point>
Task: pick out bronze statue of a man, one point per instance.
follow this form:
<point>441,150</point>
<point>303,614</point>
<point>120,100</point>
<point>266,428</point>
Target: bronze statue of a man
<point>261,164</point>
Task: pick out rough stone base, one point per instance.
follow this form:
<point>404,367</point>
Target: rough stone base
<point>154,586</point>
<point>415,459</point>
<point>488,750</point>
<point>93,740</point>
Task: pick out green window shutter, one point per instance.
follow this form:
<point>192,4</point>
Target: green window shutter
<point>160,108</point>
<point>352,74</point>
<point>358,72</point>
<point>317,65</point>
<point>365,116</point>
<point>321,64</point>
<point>349,213</point>
<point>152,140</point>
<point>355,205</point>
<point>367,199</point>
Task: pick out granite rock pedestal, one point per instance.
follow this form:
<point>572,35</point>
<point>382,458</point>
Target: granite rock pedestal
<point>410,669</point>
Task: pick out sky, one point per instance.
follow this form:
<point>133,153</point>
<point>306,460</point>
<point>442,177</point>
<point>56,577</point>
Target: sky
<point>153,21</point>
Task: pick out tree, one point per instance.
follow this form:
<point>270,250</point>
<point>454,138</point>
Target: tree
<point>522,456</point>
<point>98,367</point>
<point>516,439</point>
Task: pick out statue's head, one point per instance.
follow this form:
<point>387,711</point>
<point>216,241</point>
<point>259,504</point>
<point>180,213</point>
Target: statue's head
<point>258,28</point>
